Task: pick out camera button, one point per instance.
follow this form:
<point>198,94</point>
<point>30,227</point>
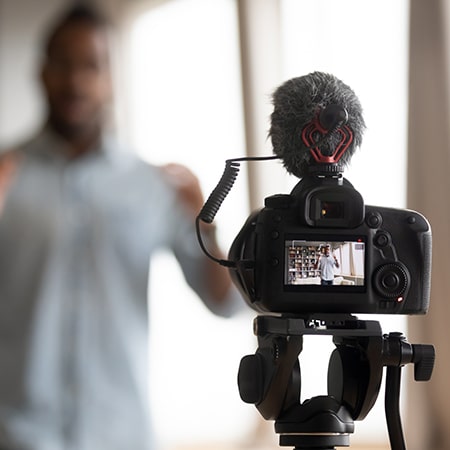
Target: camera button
<point>391,281</point>
<point>274,234</point>
<point>274,262</point>
<point>382,239</point>
<point>374,220</point>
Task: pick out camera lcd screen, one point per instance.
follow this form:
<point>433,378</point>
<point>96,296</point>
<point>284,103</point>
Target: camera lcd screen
<point>339,264</point>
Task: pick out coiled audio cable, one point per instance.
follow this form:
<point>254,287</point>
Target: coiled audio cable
<point>218,195</point>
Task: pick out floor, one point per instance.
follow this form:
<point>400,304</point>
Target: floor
<point>240,447</point>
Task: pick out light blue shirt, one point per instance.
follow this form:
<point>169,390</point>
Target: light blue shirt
<point>326,266</point>
<point>75,241</point>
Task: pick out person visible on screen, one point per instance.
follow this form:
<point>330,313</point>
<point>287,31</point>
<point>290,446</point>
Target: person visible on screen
<point>79,221</point>
<point>326,262</point>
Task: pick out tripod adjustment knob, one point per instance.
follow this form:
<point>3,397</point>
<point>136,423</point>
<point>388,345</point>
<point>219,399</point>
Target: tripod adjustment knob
<point>251,379</point>
<point>424,356</point>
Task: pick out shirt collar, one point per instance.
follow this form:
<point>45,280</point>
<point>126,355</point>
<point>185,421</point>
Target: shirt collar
<point>52,146</point>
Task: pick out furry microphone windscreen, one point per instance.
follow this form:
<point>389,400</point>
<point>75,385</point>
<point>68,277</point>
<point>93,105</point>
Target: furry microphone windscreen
<point>296,103</point>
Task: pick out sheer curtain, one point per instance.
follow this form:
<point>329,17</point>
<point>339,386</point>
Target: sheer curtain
<point>428,190</point>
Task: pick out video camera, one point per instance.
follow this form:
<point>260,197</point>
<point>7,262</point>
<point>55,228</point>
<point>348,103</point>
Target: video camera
<point>384,254</point>
<point>309,260</point>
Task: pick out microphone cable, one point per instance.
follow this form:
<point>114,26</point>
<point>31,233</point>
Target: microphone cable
<point>217,197</point>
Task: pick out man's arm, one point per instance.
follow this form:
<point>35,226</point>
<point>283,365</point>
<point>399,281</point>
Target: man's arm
<point>8,166</point>
<point>316,264</point>
<point>336,262</point>
<point>188,189</point>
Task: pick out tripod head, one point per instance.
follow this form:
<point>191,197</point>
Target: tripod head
<point>271,379</point>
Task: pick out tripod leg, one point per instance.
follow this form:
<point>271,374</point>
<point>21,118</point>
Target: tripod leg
<point>392,396</point>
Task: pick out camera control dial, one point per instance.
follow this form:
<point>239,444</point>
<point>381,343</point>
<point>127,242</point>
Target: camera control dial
<point>391,280</point>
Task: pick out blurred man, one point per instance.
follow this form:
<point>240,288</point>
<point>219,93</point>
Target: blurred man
<point>79,220</point>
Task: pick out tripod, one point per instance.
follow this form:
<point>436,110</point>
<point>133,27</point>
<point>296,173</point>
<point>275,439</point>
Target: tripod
<point>271,378</point>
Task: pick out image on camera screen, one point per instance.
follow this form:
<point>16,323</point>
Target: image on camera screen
<point>325,262</point>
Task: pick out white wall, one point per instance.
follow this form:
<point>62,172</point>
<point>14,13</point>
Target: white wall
<point>21,26</point>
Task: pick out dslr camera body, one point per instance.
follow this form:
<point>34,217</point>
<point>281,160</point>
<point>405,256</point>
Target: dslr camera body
<point>375,260</point>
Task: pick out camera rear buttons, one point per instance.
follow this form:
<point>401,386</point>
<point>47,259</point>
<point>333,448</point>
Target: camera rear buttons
<point>374,219</point>
<point>382,239</point>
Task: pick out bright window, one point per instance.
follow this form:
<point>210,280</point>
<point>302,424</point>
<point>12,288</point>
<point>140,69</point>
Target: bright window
<point>186,107</point>
<point>365,44</point>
